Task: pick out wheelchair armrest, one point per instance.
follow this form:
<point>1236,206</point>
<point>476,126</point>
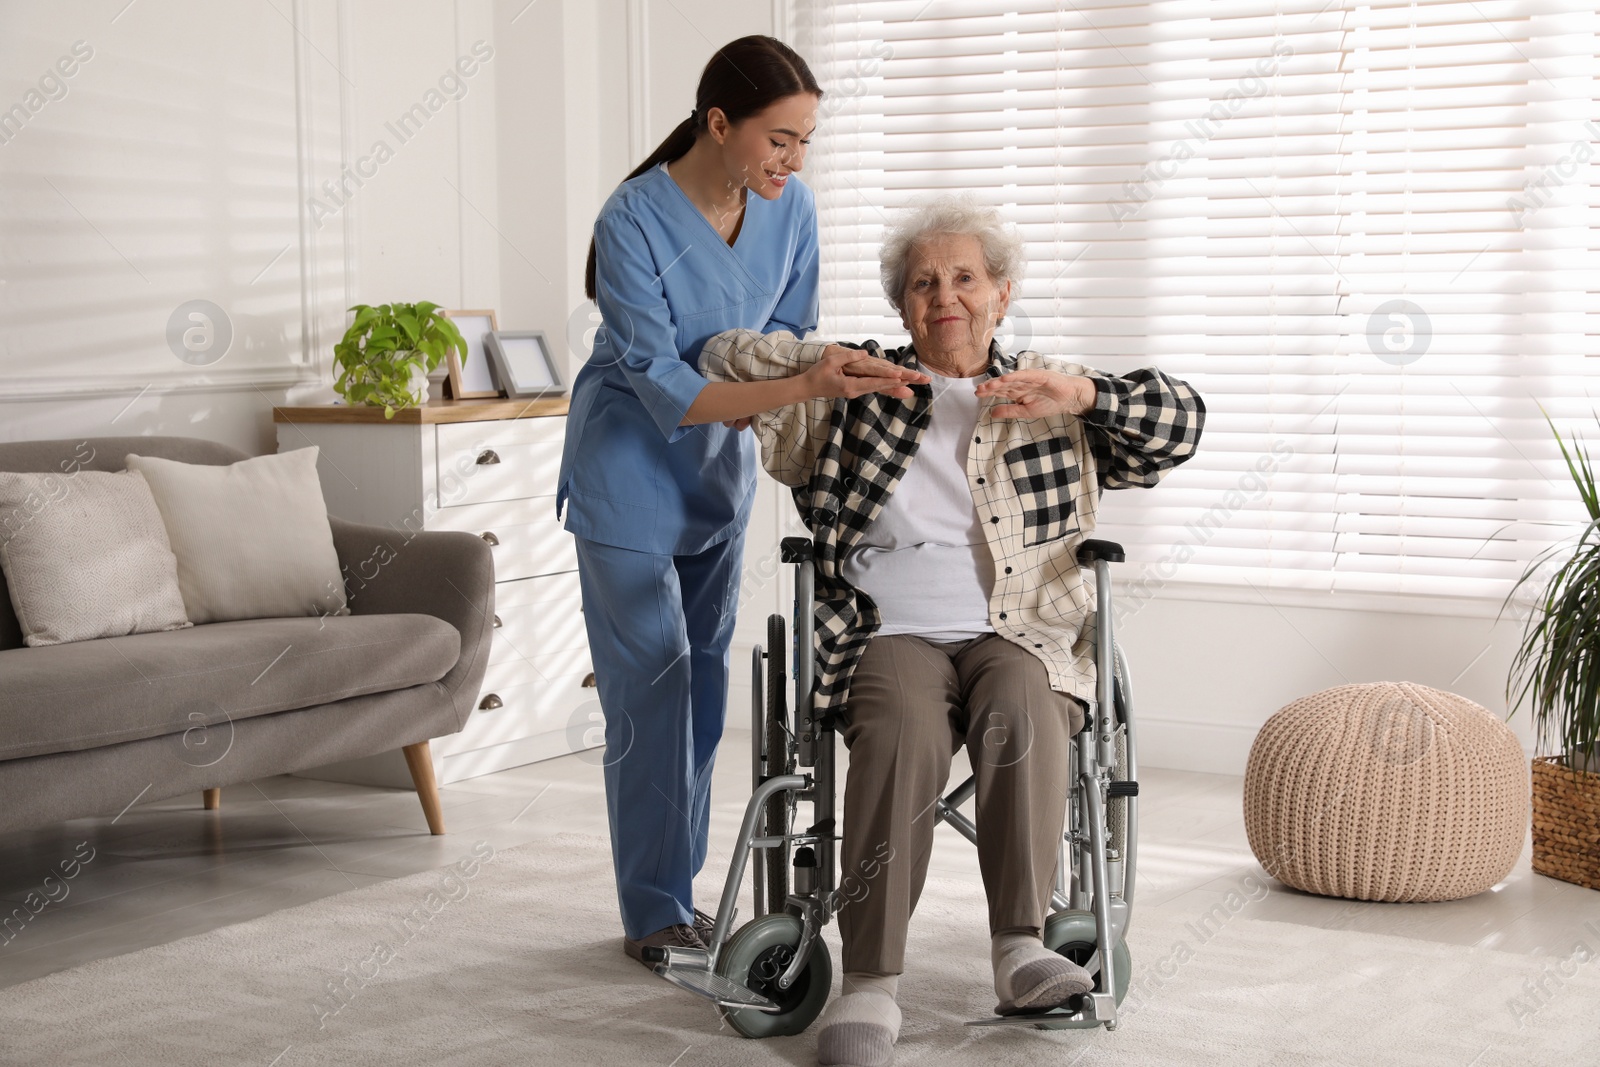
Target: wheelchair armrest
<point>795,549</point>
<point>1092,550</point>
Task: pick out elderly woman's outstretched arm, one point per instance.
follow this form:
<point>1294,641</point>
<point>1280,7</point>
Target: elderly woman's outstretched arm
<point>1141,424</point>
<point>1144,423</point>
<point>791,436</point>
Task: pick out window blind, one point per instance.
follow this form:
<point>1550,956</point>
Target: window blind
<point>1365,232</point>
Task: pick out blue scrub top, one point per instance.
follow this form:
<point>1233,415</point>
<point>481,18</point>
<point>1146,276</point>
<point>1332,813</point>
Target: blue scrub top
<point>666,282</point>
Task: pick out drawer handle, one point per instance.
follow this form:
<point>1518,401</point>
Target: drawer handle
<point>491,702</point>
<point>488,535</point>
<point>488,456</point>
<point>497,622</point>
<point>588,681</point>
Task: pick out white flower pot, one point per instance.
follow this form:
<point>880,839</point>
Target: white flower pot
<point>418,384</point>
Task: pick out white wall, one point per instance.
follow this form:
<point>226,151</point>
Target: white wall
<point>186,161</point>
<point>164,166</point>
<point>1208,673</point>
<point>180,162</point>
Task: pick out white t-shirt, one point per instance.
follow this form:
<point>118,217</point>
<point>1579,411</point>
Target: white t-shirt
<point>925,562</point>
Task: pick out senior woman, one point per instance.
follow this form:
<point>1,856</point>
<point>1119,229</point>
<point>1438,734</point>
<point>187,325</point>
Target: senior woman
<point>951,608</point>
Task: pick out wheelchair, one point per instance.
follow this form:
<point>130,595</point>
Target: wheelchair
<point>772,976</point>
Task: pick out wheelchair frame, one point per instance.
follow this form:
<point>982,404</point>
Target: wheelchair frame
<point>773,975</point>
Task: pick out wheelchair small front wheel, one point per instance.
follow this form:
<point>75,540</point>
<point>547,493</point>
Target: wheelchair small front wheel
<point>760,951</point>
<point>1073,934</point>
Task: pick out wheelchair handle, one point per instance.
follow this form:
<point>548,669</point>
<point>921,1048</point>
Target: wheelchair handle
<point>796,549</point>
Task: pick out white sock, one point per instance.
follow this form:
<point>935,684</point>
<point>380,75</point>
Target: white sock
<point>862,981</point>
<point>860,1028</point>
<point>1028,975</point>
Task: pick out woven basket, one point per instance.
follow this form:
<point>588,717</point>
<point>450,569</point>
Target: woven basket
<point>1566,822</point>
<point>1388,791</point>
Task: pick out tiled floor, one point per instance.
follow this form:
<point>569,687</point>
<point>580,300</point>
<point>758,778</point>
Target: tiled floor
<point>169,869</point>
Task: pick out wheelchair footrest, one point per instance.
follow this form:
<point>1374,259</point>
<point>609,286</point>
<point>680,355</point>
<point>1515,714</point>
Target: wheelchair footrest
<point>1085,1009</point>
<point>714,987</point>
<point>695,976</point>
<point>1072,1012</point>
<point>1124,789</point>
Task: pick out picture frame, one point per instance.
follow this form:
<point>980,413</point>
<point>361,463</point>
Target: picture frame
<point>475,379</point>
<point>524,364</point>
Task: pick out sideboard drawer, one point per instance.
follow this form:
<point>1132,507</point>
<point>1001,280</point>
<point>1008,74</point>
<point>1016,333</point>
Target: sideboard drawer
<point>546,670</point>
<point>535,616</point>
<point>527,538</point>
<point>484,461</point>
<point>533,696</point>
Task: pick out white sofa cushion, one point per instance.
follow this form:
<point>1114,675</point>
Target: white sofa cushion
<point>86,555</point>
<point>252,538</point>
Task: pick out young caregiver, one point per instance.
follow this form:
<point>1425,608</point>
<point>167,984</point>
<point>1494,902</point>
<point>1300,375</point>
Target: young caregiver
<point>712,232</point>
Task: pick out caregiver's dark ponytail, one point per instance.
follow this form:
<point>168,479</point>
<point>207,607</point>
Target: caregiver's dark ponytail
<point>744,77</point>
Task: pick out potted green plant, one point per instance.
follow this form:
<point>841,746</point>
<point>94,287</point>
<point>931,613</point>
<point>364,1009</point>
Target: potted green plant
<point>388,352</point>
<point>1557,664</point>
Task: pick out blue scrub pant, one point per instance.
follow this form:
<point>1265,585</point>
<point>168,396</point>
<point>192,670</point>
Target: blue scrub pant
<point>659,629</point>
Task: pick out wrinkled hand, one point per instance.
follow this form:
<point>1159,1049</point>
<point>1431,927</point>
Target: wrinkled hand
<point>1034,394</point>
<point>849,373</point>
<point>739,424</point>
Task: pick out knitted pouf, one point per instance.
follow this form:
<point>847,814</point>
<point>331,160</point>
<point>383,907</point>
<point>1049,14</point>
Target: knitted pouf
<point>1386,791</point>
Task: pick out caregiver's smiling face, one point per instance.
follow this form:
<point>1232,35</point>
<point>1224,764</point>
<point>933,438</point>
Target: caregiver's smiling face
<point>763,149</point>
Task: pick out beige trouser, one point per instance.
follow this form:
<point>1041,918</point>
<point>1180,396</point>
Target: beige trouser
<point>913,704</point>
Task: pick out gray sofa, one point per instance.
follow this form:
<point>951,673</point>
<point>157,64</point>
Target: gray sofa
<point>89,727</point>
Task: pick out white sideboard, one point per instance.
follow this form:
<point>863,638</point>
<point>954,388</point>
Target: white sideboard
<point>486,467</point>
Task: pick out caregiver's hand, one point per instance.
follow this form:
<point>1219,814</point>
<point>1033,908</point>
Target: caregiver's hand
<point>849,373</point>
<point>839,372</point>
<point>1033,394</point>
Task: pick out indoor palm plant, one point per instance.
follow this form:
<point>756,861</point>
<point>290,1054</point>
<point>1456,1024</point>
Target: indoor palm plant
<point>1557,665</point>
<point>388,351</point>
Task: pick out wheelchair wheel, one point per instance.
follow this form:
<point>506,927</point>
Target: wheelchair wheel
<point>780,760</point>
<point>755,956</point>
<point>1073,935</point>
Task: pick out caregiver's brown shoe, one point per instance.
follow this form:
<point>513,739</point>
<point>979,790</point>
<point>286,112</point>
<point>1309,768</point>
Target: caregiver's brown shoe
<point>679,935</point>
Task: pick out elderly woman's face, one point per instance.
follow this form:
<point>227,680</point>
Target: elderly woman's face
<point>951,304</point>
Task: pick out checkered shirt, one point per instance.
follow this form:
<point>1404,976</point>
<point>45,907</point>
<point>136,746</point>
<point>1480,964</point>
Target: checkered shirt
<point>1035,484</point>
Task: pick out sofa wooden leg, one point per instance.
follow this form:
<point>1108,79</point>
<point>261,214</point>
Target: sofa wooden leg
<point>420,760</point>
<point>212,798</point>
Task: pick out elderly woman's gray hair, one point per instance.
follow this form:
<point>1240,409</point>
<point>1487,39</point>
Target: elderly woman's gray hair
<point>949,215</point>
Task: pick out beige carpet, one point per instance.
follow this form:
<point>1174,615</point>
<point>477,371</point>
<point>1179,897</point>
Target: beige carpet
<point>523,966</point>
